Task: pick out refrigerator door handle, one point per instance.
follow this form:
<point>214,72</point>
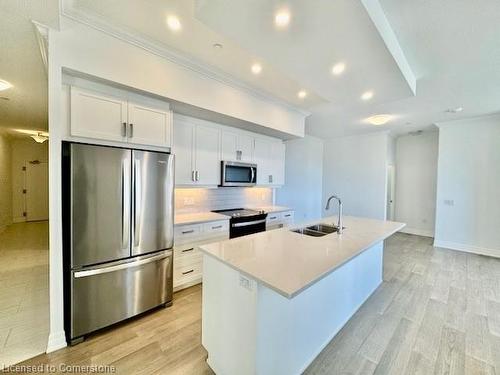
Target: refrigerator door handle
<point>137,201</point>
<point>125,203</point>
<point>118,267</point>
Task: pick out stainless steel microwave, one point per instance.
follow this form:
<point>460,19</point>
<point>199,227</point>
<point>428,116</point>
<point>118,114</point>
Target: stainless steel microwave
<point>235,173</point>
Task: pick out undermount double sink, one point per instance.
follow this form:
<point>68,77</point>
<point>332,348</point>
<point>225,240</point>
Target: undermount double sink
<point>318,230</point>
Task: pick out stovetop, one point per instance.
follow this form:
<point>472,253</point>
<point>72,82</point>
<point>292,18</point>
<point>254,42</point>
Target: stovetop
<point>239,212</point>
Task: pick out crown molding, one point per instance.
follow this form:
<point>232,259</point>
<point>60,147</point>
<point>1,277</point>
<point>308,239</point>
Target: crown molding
<point>172,55</point>
<point>42,38</point>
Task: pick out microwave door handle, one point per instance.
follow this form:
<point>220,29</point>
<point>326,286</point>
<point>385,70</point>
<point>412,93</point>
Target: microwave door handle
<point>253,174</point>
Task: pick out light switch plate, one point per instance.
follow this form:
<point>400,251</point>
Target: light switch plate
<point>449,202</point>
<point>246,282</point>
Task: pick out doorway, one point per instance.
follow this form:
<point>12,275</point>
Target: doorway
<point>36,191</point>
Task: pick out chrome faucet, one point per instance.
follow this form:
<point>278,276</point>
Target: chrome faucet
<point>339,224</point>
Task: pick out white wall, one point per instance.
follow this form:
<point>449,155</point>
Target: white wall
<point>468,187</point>
<point>303,178</point>
<point>355,168</point>
<point>416,174</point>
<point>23,150</point>
<point>5,182</point>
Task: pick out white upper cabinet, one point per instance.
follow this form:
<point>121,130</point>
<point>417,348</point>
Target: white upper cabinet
<point>149,126</point>
<point>99,116</point>
<point>196,149</point>
<point>207,170</point>
<point>108,117</point>
<point>237,146</point>
<point>269,155</point>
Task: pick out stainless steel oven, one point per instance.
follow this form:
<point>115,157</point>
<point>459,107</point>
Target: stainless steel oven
<point>244,221</point>
<point>234,173</point>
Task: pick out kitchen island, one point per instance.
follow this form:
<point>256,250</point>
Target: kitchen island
<point>273,300</point>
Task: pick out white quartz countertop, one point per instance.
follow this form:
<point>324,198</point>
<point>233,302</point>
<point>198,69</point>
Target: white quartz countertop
<point>289,262</point>
<point>198,217</point>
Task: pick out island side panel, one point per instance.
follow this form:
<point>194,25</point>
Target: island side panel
<point>292,332</point>
<point>229,327</point>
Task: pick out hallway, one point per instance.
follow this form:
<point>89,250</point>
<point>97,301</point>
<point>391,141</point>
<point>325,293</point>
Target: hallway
<point>24,291</point>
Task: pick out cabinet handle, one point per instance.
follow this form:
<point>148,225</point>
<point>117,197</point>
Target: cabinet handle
<point>271,178</point>
<point>192,176</point>
<point>187,231</point>
<point>186,250</point>
<point>197,175</point>
<point>131,132</point>
<point>217,227</point>
<point>288,215</point>
<point>124,129</point>
<point>185,273</point>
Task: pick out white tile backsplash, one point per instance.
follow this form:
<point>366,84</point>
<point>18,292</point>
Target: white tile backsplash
<point>200,200</point>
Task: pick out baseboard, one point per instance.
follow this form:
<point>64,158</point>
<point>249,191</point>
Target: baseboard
<point>418,232</point>
<point>468,248</point>
<point>57,340</point>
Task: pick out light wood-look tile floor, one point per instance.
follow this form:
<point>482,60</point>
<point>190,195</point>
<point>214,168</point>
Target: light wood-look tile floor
<point>437,312</point>
<point>24,291</point>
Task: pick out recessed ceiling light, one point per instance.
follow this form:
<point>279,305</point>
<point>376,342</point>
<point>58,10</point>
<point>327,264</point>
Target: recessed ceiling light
<point>379,119</point>
<point>217,46</point>
<point>282,18</point>
<point>338,68</point>
<point>174,23</point>
<point>455,110</point>
<point>302,94</point>
<point>256,68</point>
<point>4,85</point>
<point>367,95</point>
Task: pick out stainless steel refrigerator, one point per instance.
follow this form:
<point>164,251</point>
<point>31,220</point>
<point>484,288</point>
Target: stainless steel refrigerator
<point>117,233</point>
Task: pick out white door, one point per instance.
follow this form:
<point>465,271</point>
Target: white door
<point>37,191</point>
<point>183,150</point>
<point>207,155</point>
<point>262,157</point>
<point>278,163</point>
<point>95,115</point>
<point>229,146</point>
<point>150,126</point>
<point>245,145</point>
<point>391,183</point>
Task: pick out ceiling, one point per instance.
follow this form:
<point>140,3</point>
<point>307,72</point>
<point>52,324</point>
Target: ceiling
<point>24,106</point>
<point>452,48</point>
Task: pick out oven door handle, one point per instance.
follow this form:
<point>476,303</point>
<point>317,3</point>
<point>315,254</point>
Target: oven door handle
<point>238,225</point>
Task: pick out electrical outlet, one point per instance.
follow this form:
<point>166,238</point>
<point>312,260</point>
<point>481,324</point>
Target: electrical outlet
<point>449,202</point>
<point>245,282</point>
<point>188,201</point>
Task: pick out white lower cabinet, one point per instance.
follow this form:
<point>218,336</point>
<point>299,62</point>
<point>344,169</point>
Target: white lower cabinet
<point>276,220</point>
<point>188,260</point>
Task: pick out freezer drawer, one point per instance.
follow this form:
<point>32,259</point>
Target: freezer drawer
<point>108,294</point>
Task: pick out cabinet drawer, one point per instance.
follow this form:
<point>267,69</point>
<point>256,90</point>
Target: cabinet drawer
<point>187,231</point>
<point>185,251</point>
<point>273,217</point>
<point>216,227</point>
<point>188,272</point>
<point>288,216</point>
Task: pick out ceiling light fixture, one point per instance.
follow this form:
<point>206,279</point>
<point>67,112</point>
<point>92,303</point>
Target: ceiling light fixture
<point>256,68</point>
<point>39,137</point>
<point>367,95</point>
<point>217,46</point>
<point>379,119</point>
<point>4,85</point>
<point>282,18</point>
<point>174,23</point>
<point>455,110</point>
<point>302,94</point>
<point>338,68</point>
